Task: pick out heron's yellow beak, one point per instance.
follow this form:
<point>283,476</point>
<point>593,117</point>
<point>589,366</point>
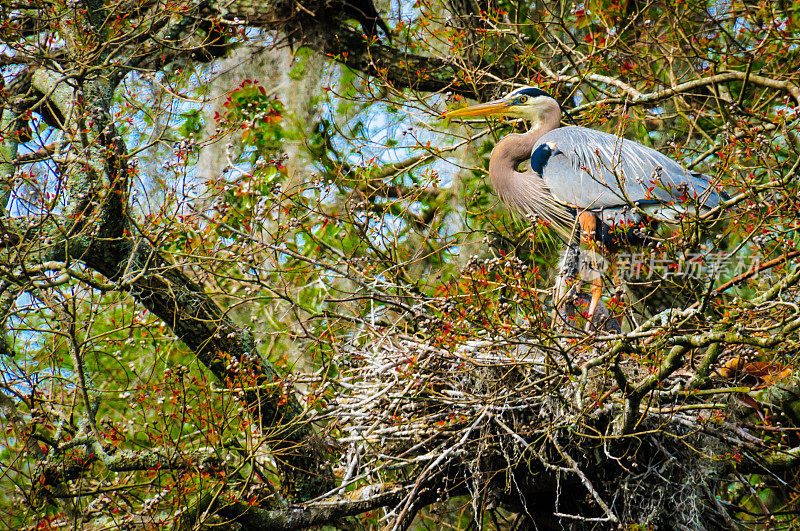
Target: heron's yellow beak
<point>492,107</point>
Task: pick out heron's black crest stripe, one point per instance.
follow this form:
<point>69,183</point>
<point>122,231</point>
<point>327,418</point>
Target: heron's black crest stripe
<point>532,92</point>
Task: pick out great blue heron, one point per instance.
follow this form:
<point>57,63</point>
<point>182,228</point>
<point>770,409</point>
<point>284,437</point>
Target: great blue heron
<point>616,189</point>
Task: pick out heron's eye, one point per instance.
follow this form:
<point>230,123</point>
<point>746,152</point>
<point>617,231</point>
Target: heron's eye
<point>523,99</point>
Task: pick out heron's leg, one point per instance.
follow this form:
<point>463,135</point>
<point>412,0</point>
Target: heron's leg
<point>588,223</point>
<point>597,292</point>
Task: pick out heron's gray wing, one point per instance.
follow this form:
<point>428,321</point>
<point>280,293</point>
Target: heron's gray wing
<point>597,171</point>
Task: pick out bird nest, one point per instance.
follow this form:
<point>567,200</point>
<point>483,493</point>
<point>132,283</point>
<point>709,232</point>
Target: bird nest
<point>506,423</point>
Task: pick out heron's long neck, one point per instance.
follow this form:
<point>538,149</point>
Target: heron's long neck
<point>514,149</point>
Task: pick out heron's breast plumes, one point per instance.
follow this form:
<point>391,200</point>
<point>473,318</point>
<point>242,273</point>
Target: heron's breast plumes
<point>525,191</point>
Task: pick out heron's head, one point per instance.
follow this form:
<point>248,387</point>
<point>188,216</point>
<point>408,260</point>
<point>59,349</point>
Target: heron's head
<point>527,102</point>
